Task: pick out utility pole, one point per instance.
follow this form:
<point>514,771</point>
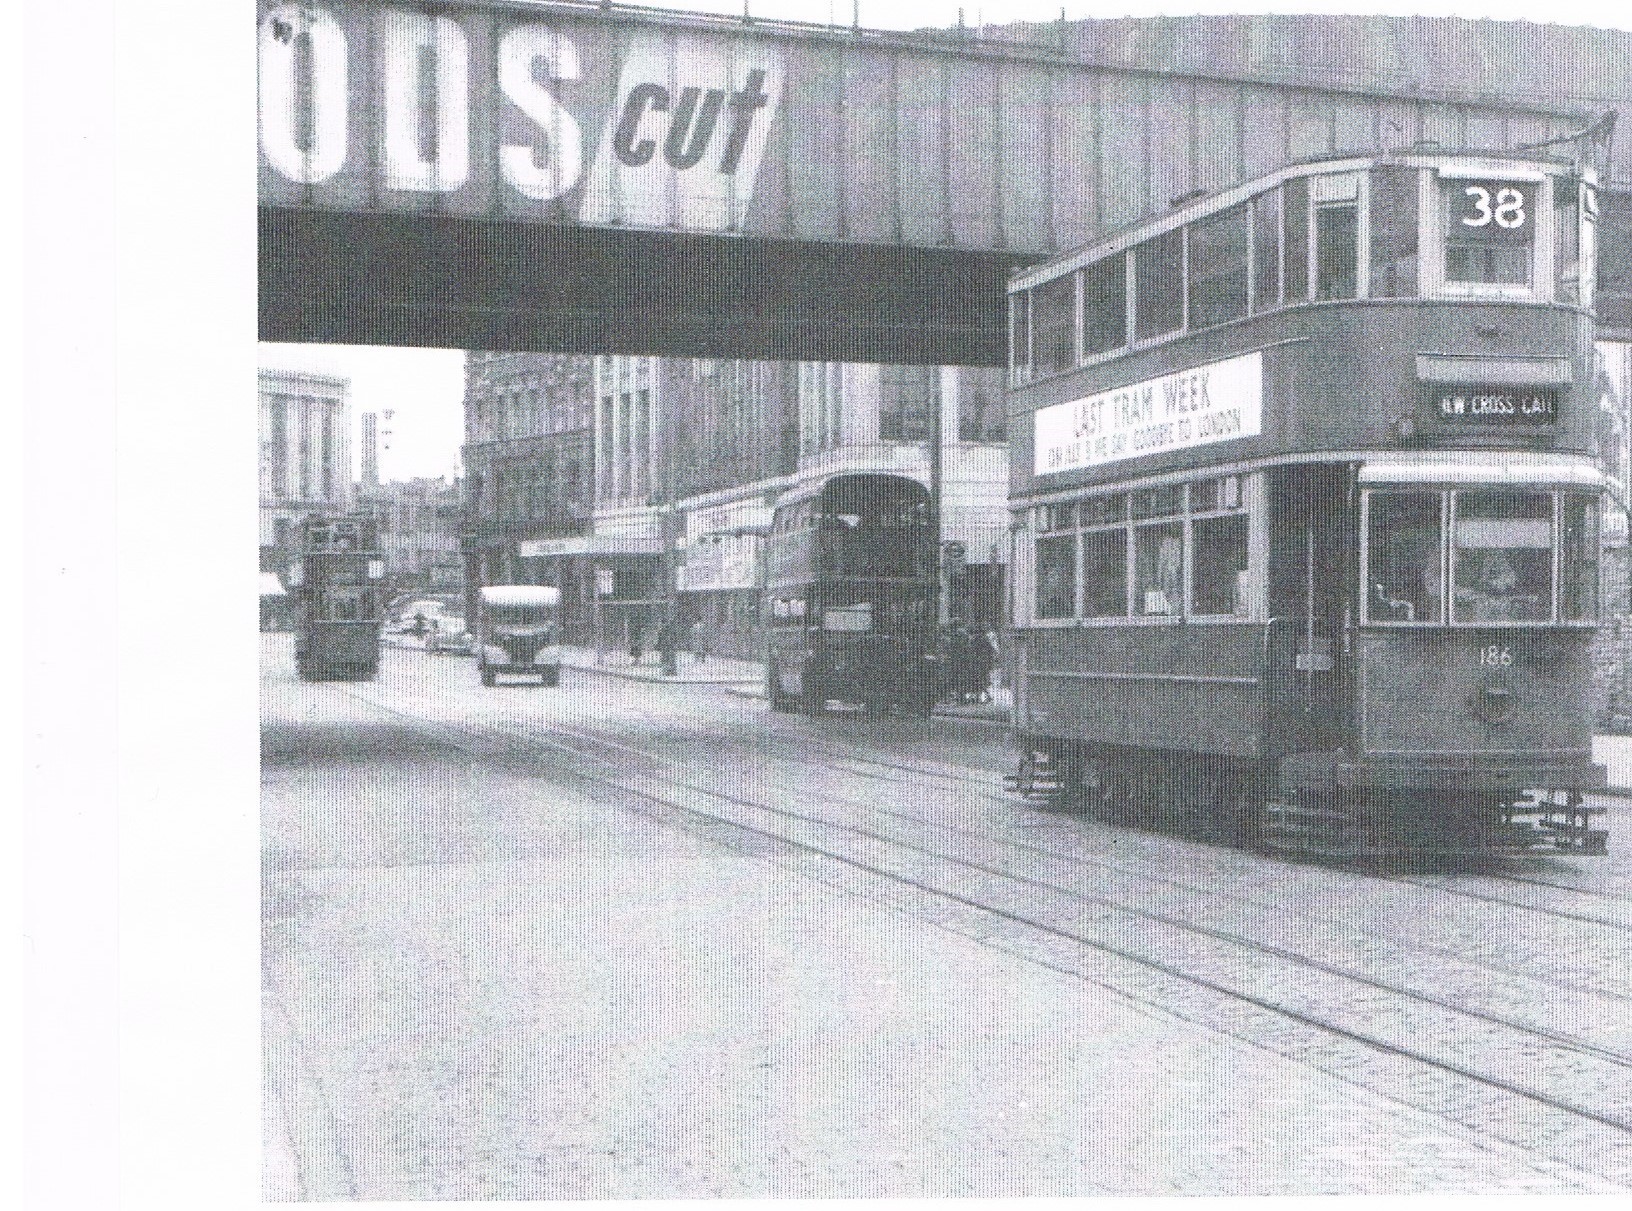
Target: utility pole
<point>668,634</point>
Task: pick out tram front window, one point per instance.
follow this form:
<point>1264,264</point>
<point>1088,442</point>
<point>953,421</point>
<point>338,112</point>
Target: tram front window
<point>1404,544</point>
<point>1503,557</point>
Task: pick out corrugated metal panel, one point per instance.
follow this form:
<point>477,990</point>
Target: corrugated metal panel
<point>636,119</point>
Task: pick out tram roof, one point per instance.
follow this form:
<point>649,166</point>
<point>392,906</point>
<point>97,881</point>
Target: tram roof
<point>1466,161</point>
<point>1495,468</point>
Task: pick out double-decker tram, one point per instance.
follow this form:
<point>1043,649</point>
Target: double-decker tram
<point>850,601</point>
<point>338,583</point>
<point>1305,512</point>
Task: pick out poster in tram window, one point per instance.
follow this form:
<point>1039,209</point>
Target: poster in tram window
<point>1217,402</point>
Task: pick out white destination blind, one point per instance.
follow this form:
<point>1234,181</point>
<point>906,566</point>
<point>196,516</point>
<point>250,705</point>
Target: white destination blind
<point>1217,402</point>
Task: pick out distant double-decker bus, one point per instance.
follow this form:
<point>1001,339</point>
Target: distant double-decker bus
<point>850,603</point>
<point>1306,511</point>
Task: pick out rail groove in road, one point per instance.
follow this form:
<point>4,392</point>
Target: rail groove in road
<point>1525,1068</point>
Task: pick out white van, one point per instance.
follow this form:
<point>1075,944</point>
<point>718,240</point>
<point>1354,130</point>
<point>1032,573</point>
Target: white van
<point>517,632</point>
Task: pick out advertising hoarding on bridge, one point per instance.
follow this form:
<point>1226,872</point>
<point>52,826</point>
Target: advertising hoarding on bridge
<point>569,175</point>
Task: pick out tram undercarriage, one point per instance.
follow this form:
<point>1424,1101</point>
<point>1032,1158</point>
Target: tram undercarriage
<point>1254,803</point>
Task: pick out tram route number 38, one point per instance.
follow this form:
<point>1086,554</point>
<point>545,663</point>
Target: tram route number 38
<point>1503,207</point>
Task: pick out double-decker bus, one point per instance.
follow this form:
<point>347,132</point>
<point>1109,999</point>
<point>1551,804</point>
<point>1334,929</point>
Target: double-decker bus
<point>1305,509</point>
<point>850,603</point>
<point>338,584</point>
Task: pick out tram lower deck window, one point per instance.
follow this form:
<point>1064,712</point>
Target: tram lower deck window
<point>1158,569</point>
<point>1578,559</point>
<point>1105,574</point>
<point>1218,562</point>
<point>1405,552</point>
<point>1502,557</point>
<point>1056,576</point>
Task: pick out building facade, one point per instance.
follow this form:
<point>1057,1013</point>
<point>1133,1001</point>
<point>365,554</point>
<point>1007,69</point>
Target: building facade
<point>529,480</point>
<point>305,456</point>
<point>686,460</point>
<point>420,524</point>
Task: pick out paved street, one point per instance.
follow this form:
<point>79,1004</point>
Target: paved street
<point>631,940</point>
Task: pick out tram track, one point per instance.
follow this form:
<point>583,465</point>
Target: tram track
<point>1350,1010</point>
<point>1546,978</point>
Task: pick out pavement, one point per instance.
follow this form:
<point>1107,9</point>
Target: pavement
<point>745,678</point>
<point>486,978</point>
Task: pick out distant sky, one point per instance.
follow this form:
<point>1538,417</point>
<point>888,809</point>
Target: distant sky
<point>424,387</point>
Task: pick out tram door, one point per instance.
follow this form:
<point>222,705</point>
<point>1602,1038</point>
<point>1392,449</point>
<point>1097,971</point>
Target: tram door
<point>1311,540</point>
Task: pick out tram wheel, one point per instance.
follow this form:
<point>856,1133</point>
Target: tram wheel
<point>812,701</point>
<point>489,678</point>
<point>1102,785</point>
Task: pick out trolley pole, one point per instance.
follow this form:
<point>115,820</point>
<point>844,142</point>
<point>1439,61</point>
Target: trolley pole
<point>668,633</point>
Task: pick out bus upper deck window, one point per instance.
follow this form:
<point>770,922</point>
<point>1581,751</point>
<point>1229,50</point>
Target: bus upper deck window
<point>1490,231</point>
<point>1502,557</point>
<point>1404,557</point>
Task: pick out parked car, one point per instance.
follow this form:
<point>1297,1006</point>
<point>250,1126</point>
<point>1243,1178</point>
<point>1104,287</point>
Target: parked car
<point>448,635</point>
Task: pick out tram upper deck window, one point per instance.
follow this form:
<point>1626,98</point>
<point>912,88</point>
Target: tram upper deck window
<point>1393,232</point>
<point>1502,557</point>
<point>1266,251</point>
<point>1220,250</point>
<point>1567,241</point>
<point>1054,325</point>
<point>1105,306</point>
<point>1020,337</point>
<point>1295,238</point>
<point>1158,276</point>
<point>1490,231</point>
<point>1404,553</point>
<point>1337,235</point>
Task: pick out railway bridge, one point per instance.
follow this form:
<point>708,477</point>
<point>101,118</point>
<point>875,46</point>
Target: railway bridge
<point>582,176</point>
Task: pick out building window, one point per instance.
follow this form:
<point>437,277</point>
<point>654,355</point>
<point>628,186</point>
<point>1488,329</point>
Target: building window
<point>907,399</point>
<point>1220,246</point>
<point>981,415</point>
<point>1020,336</point>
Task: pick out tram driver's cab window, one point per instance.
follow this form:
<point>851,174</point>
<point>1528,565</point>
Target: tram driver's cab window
<point>1405,552</point>
<point>1502,557</point>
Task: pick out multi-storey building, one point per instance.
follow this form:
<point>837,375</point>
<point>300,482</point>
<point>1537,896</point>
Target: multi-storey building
<point>419,526</point>
<point>687,459</point>
<point>529,475</point>
<point>305,455</point>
